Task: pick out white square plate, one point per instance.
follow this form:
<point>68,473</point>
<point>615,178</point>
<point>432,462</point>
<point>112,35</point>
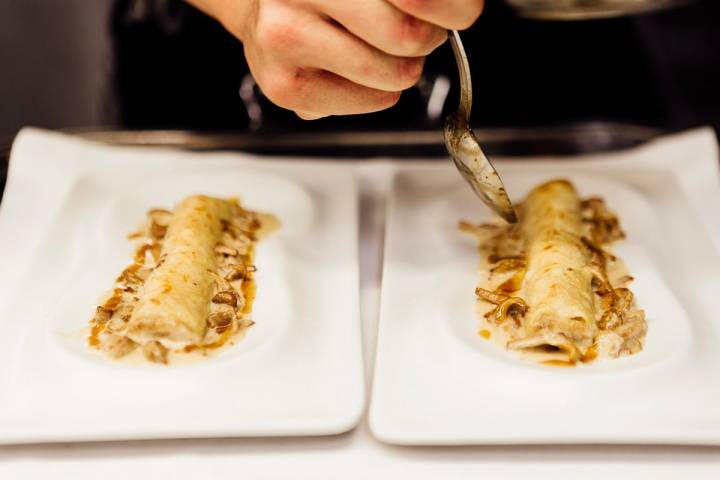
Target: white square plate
<point>437,382</point>
<point>297,371</point>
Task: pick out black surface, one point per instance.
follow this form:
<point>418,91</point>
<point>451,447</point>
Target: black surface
<point>652,69</point>
<point>161,64</point>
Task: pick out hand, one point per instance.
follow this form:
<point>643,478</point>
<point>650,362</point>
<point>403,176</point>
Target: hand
<point>339,57</point>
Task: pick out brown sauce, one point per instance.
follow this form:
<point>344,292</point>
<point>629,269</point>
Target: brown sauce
<point>590,355</point>
<point>110,305</point>
<point>249,291</point>
<point>95,331</point>
<point>114,301</point>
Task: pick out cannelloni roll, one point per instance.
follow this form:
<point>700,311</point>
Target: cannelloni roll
<point>191,285</point>
<point>558,282</point>
<point>176,300</point>
<point>551,289</point>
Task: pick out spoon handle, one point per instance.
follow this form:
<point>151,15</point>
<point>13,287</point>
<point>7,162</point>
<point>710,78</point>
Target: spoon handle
<point>464,73</point>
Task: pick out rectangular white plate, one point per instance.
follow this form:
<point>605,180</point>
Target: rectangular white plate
<point>298,370</point>
<point>437,382</point>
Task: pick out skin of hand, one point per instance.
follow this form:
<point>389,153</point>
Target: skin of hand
<point>339,57</point>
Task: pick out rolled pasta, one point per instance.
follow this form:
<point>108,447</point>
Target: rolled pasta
<point>176,300</point>
<point>190,287</point>
<point>558,282</point>
<point>555,291</point>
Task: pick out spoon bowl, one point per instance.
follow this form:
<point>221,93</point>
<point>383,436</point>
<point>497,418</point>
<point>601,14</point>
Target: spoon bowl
<point>464,148</point>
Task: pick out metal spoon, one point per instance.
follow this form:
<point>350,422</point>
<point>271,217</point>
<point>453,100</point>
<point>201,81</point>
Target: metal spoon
<point>463,146</point>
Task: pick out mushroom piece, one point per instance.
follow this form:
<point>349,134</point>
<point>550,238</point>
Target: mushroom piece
<point>512,307</point>
<point>222,317</point>
<point>609,344</point>
<point>634,326</point>
<point>492,297</point>
<point>244,230</point>
<point>227,297</point>
<point>482,231</point>
<point>102,315</point>
<point>610,320</point>
<point>160,216</point>
<point>631,346</point>
<point>239,271</point>
<point>117,346</point>
<point>123,311</point>
<point>156,352</point>
<point>221,284</point>
<point>598,255</point>
<point>624,280</point>
<point>131,277</point>
<point>159,222</point>
<point>623,299</point>
<point>225,250</point>
<point>157,231</point>
<point>499,257</point>
<point>604,225</point>
<point>117,323</point>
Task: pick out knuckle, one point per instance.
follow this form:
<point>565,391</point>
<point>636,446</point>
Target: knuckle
<point>416,37</point>
<point>284,88</point>
<point>277,34</point>
<point>410,70</point>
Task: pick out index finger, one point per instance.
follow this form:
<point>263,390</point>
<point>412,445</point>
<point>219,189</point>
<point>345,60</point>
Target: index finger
<point>450,14</point>
<point>386,28</point>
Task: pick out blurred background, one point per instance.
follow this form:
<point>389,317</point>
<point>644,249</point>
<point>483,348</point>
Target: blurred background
<point>608,67</point>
